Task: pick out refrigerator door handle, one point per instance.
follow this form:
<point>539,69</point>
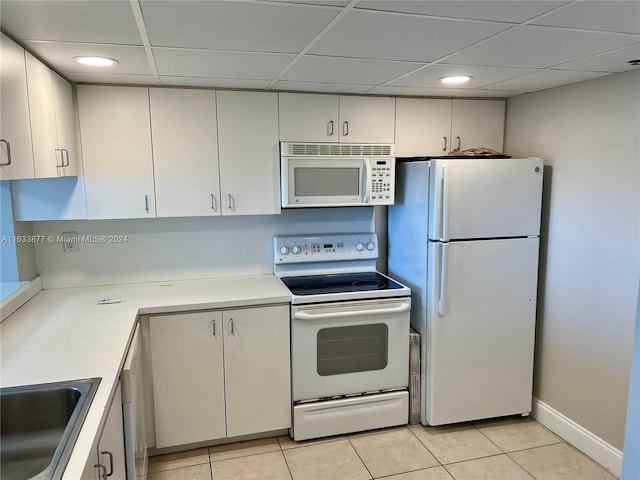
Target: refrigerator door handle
<point>444,205</point>
<point>442,288</point>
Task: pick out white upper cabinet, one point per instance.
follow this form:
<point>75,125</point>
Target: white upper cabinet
<point>432,127</point>
<point>248,152</point>
<point>16,153</point>
<point>332,119</point>
<point>478,123</point>
<point>367,119</point>
<point>116,147</point>
<point>185,152</point>
<point>47,157</point>
<point>423,127</point>
<point>66,126</point>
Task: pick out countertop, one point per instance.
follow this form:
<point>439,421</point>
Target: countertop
<point>64,334</point>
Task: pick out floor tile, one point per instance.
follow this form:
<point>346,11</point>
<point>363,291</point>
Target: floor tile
<point>434,473</point>
<point>177,460</point>
<point>499,467</point>
<point>517,433</point>
<point>242,449</point>
<point>286,442</point>
<point>391,452</point>
<point>195,472</point>
<point>559,462</point>
<point>455,443</point>
<point>265,466</point>
<point>326,461</point>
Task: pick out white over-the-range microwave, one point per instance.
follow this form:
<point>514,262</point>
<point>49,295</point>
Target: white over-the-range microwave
<point>336,175</point>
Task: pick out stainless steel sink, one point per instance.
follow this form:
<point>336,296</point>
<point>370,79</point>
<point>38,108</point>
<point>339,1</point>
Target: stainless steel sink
<point>39,427</point>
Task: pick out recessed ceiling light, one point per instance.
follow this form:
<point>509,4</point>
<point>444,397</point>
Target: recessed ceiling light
<point>455,79</point>
<point>95,61</point>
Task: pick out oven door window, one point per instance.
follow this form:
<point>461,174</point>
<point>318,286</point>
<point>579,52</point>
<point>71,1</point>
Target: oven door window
<point>351,349</point>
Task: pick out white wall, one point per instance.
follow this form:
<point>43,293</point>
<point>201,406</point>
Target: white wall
<point>180,248</point>
<point>588,135</point>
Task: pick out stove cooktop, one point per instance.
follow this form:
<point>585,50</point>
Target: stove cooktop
<point>339,283</point>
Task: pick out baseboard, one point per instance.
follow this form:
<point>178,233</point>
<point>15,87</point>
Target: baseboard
<point>605,454</point>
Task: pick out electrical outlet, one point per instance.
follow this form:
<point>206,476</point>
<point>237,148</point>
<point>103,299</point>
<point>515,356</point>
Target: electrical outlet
<point>70,242</point>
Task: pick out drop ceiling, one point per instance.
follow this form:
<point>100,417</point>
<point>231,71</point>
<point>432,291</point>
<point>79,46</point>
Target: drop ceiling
<point>360,47</point>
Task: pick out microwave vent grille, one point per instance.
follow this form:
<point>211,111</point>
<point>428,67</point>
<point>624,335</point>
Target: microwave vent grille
<point>338,150</point>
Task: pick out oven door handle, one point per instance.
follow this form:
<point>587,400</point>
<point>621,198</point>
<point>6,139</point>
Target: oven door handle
<point>355,313</point>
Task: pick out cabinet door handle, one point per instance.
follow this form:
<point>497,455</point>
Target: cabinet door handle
<point>444,149</point>
<point>65,155</point>
<point>330,128</point>
<point>110,462</point>
<point>146,203</point>
<point>345,129</point>
<point>6,142</point>
<point>59,151</point>
<point>213,328</point>
<point>102,468</point>
<point>231,204</point>
<point>214,204</point>
<point>231,326</point>
<point>458,138</point>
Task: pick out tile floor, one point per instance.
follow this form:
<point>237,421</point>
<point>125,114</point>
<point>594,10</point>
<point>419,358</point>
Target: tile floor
<point>513,448</point>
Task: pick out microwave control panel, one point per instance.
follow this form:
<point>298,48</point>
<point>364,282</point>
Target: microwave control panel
<point>382,181</point>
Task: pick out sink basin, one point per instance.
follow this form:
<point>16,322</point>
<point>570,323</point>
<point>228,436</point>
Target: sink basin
<point>39,426</point>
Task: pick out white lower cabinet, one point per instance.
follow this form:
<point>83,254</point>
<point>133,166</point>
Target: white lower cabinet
<point>109,458</point>
<point>220,374</point>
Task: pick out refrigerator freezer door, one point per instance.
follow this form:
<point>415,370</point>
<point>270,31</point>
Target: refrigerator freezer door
<point>481,309</point>
<point>485,198</point>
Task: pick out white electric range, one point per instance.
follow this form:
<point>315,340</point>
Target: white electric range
<point>349,335</point>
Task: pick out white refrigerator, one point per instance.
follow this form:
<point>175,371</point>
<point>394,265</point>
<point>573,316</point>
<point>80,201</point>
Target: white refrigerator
<point>464,236</point>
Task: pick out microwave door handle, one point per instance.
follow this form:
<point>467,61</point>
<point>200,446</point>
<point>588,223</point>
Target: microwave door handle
<point>355,313</point>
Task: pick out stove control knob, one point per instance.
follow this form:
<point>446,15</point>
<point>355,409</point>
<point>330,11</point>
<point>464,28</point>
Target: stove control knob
<point>359,246</point>
<point>295,250</point>
<point>371,246</point>
<point>284,250</point>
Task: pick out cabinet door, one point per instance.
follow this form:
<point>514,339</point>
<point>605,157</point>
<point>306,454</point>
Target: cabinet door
<point>185,152</point>
<point>66,126</point>
<point>367,119</point>
<point>308,118</point>
<point>47,157</point>
<point>188,377</point>
<point>423,127</point>
<point>257,371</point>
<point>478,123</point>
<point>15,129</point>
<point>249,156</point>
<point>116,147</point>
<point>111,445</point>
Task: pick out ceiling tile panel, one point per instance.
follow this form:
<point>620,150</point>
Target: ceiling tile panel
<point>611,16</point>
<point>207,63</point>
<point>539,47</point>
<point>498,11</point>
<point>429,76</point>
<point>544,79</point>
<point>320,87</point>
<point>233,25</point>
<point>615,61</point>
<point>70,21</point>
<point>131,60</point>
<point>110,78</point>
<point>437,92</point>
<point>214,82</point>
<point>387,36</point>
<point>311,68</point>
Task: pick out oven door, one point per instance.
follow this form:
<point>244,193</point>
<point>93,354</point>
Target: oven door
<point>349,347</point>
